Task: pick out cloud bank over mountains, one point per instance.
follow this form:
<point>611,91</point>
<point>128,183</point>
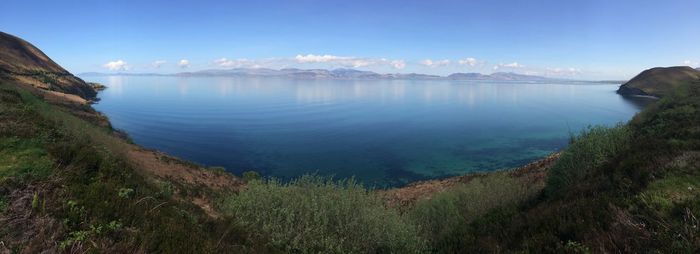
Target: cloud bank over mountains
<point>328,61</point>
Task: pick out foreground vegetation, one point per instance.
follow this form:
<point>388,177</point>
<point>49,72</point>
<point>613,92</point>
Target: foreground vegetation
<point>67,185</point>
<point>318,215</point>
<point>627,188</point>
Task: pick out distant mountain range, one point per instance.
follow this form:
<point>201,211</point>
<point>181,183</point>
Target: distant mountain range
<point>335,74</point>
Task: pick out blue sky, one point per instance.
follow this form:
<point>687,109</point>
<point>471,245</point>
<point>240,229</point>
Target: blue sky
<point>586,39</point>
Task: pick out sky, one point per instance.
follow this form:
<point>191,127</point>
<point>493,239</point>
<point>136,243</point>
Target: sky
<point>579,39</point>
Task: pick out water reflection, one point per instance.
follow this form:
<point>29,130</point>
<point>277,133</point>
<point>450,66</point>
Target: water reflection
<point>639,102</point>
<point>116,85</point>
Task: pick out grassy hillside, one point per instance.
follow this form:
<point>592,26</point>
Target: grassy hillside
<point>659,81</point>
<point>22,62</point>
<point>66,185</point>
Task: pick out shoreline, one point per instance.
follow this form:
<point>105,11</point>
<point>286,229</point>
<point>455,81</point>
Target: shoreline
<point>440,180</point>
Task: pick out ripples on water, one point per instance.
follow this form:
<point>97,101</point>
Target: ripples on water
<point>384,132</point>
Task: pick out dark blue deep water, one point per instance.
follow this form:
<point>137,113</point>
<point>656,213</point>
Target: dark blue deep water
<point>384,132</point>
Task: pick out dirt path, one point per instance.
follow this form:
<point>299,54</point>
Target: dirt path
<point>185,175</point>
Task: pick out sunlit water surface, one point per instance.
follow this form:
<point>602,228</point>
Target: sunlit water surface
<point>385,133</point>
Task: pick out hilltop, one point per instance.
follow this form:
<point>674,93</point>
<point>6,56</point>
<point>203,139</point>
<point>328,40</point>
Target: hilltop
<point>659,81</point>
<point>24,63</point>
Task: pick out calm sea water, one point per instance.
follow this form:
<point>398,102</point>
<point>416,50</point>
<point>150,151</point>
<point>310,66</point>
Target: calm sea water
<point>385,133</point>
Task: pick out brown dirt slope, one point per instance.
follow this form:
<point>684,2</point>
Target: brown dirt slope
<point>193,183</point>
<point>24,63</point>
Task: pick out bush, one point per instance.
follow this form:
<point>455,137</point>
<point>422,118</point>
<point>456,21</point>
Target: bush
<point>317,215</point>
<point>251,176</point>
<point>444,219</point>
<point>587,152</point>
<point>3,203</point>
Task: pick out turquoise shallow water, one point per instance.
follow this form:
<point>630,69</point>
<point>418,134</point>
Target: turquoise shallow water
<point>383,132</point>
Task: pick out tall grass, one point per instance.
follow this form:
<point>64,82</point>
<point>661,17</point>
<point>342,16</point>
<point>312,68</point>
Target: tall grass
<point>69,124</point>
<point>444,219</point>
<point>314,214</point>
<point>81,175</point>
<point>587,152</point>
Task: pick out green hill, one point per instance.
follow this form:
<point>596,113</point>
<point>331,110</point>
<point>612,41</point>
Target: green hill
<point>659,81</point>
<point>22,62</point>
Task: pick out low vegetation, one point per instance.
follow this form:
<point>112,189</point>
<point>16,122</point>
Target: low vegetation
<point>588,151</point>
<point>444,220</point>
<point>318,215</point>
<point>64,188</point>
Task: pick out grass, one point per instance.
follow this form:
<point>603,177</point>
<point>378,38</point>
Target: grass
<point>445,218</point>
<point>665,194</point>
<point>23,160</point>
<point>3,203</point>
<point>75,173</point>
<point>587,152</point>
<point>313,214</point>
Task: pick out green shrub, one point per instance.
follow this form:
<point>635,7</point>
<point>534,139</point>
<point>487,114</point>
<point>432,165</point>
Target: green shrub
<point>587,152</point>
<point>3,203</point>
<point>576,247</point>
<point>35,201</point>
<point>166,189</point>
<point>217,169</point>
<point>317,215</point>
<point>125,192</point>
<point>443,219</point>
<point>251,176</point>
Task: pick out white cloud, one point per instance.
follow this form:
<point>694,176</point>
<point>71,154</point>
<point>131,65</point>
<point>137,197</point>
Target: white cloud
<point>350,61</point>
<point>551,72</point>
<point>513,65</point>
<point>468,61</point>
<point>561,72</point>
<point>158,63</point>
<point>118,65</point>
<point>691,63</point>
<point>346,61</point>
<point>311,58</point>
<point>228,63</point>
<point>398,64</point>
<point>436,63</point>
<point>184,63</point>
<point>361,63</point>
<point>248,63</point>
